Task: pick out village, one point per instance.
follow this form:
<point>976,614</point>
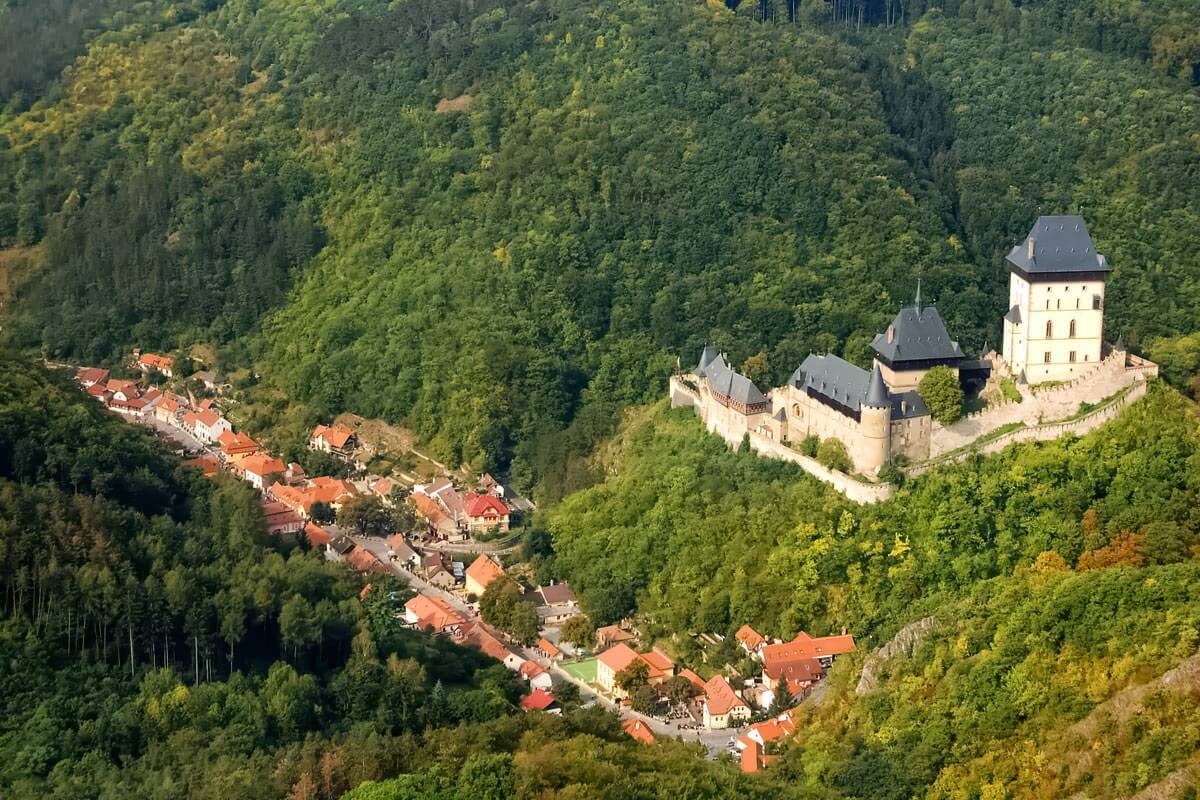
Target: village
<point>447,539</point>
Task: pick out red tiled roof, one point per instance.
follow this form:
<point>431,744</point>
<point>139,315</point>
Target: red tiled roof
<point>428,508</point>
<point>693,677</point>
<point>484,505</point>
<point>531,669</point>
<point>261,464</point>
<point>127,387</point>
<point>548,647</point>
<point>774,729</point>
<point>278,516</point>
<point>797,671</point>
<point>618,657</point>
<point>613,633</point>
<point>364,560</point>
<point>335,437</point>
<point>486,640</point>
<point>720,697</point>
<point>537,700</point>
<point>317,536</point>
<point>749,637</point>
<point>207,418</point>
<point>483,571</point>
<point>97,390</point>
<point>638,730</point>
<point>234,443</point>
<point>91,375</point>
<point>658,662</point>
<point>433,612</point>
<point>206,464</point>
<point>805,646</point>
<point>156,361</point>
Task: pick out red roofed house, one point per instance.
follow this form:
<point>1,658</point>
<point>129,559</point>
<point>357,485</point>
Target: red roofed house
<point>610,635</point>
<point>822,648</point>
<point>237,444</point>
<point>170,409</point>
<point>696,681</point>
<point>124,390</point>
<point>537,675</point>
<point>438,520</point>
<point>549,650</point>
<point>750,640</point>
<point>280,519</point>
<point>207,464</point>
<point>754,758</point>
<point>771,730</point>
<point>639,730</point>
<point>540,700</point>
<point>800,674</point>
<point>613,660</point>
<point>723,706</point>
<point>164,364</point>
<point>90,376</point>
<point>330,439</point>
<point>488,640</point>
<point>485,512</point>
<point>433,614</point>
<point>481,573</point>
<point>363,560</point>
<point>260,470</point>
<point>317,536</point>
<point>207,426</point>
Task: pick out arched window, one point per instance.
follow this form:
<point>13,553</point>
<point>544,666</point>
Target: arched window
<point>1049,330</point>
<point>1071,334</point>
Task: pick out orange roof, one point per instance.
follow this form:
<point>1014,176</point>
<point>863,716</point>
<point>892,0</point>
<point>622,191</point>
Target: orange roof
<point>805,646</point>
<point>613,633</point>
<point>317,536</point>
<point>720,697</point>
<point>156,361</point>
<point>638,730</point>
<point>335,437</point>
<point>206,404</point>
<point>774,729</point>
<point>547,647</point>
<point>483,571</point>
<point>433,612</point>
<point>484,505</point>
<point>750,637</point>
<point>261,464</point>
<point>364,560</point>
<point>531,669</point>
<point>618,657</point>
<point>693,677</point>
<point>428,508</point>
<point>797,672</point>
<point>206,418</point>
<point>331,490</point>
<point>537,700</point>
<point>91,375</point>
<point>752,757</point>
<point>236,442</point>
<point>128,387</point>
<point>658,662</point>
<point>169,403</point>
<point>206,464</point>
<point>486,640</point>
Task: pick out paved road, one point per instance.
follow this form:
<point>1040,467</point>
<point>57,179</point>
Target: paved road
<point>178,434</point>
<point>380,548</point>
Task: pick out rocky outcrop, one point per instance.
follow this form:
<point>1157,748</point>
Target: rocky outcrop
<point>903,643</point>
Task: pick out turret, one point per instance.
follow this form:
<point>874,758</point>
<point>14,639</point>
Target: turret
<point>875,424</point>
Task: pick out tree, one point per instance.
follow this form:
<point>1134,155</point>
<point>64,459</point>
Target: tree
<point>678,689</point>
<point>502,605</point>
<point>781,700</point>
<point>633,677</point>
<point>809,445</point>
<point>368,515</point>
<point>941,391</point>
<point>579,630</point>
<point>832,453</point>
<point>757,368</point>
<point>645,700</point>
<point>322,513</point>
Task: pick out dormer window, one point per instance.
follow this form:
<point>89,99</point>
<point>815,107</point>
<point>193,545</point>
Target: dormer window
<point>891,333</point>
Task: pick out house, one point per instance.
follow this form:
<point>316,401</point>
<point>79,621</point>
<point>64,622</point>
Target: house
<point>339,548</point>
<point>754,758</point>
<point>617,658</point>
<point>549,650</point>
<point>137,407</point>
<point>363,560</point>
<point>723,707</point>
<point>540,700</point>
<point>610,635</point>
<point>237,444</point>
<point>487,639</point>
<point>768,731</point>
<point>442,492</point>
<point>638,730</point>
<point>383,488</point>
<point>823,648</point>
<point>152,361</point>
<point>261,470</point>
<point>124,390</point>
<point>206,378</point>
<point>207,464</point>
<point>329,491</point>
<point>557,603</point>
<point>695,680</point>
<point>661,667</point>
<point>316,535</point>
<point>90,376</point>
<point>332,439</point>
<point>799,673</point>
<point>442,578</point>
<point>400,552</point>
<point>481,573</point>
<point>170,409</point>
<point>280,519</point>
<point>100,392</point>
<point>750,640</point>
<point>537,675</point>
<point>484,512</point>
<point>427,612</point>
<point>207,426</point>
<point>439,522</point>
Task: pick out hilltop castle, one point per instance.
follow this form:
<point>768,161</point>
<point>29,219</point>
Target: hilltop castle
<point>1053,332</point>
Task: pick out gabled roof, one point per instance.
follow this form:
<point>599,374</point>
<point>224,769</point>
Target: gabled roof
<point>720,697</point>
<point>483,571</point>
<point>658,662</point>
<point>400,547</point>
<point>236,442</point>
<point>557,594</point>
<point>484,505</point>
<point>334,436</point>
<point>638,730</point>
<point>206,418</point>
<point>317,536</point>
<point>261,464</point>
<point>805,646</point>
<point>342,544</point>
<point>618,657</point>
<point>693,678</point>
<point>487,640</point>
<point>155,361</point>
<point>795,671</point>
<point>537,700</point>
<point>277,515</point>
<point>724,380</point>
<point>364,560</point>
<point>433,612</point>
<point>549,648</point>
<point>613,633</point>
<point>916,334</point>
<point>751,638</point>
<point>91,375</point>
<point>1059,244</point>
<point>834,378</point>
<point>531,669</point>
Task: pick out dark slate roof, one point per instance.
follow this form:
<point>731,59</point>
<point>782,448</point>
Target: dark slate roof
<point>1060,244</point>
<point>706,357</point>
<point>1014,315</point>
<point>833,377</point>
<point>877,391</point>
<point>918,335</point>
<point>724,380</point>
<point>907,405</point>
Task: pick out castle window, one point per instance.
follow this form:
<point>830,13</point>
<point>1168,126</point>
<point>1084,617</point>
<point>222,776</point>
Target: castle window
<point>1072,356</point>
<point>1049,330</point>
<point>1095,302</point>
<point>1071,334</point>
<point>1047,357</point>
<point>1058,303</point>
<point>1077,302</point>
<point>1047,304</point>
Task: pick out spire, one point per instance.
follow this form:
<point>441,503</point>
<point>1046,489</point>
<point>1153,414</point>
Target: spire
<point>877,391</point>
<point>917,304</point>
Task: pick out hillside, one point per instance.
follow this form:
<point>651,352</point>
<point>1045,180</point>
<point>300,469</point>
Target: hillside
<point>490,222</point>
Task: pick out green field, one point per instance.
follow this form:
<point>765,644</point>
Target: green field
<point>582,670</point>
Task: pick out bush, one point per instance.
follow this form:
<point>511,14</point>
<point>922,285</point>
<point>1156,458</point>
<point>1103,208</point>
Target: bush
<point>832,453</point>
<point>942,393</point>
<point>809,446</point>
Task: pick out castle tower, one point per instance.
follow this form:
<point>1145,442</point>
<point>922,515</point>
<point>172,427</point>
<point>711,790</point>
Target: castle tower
<point>1054,328</point>
<point>875,425</point>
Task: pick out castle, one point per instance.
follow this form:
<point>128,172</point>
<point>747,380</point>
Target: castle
<point>1053,332</point>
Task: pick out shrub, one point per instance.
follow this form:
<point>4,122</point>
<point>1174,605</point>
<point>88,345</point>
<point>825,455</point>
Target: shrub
<point>809,446</point>
<point>832,453</point>
<point>942,393</point>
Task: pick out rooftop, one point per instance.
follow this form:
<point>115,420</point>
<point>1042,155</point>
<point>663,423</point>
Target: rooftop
<point>916,334</point>
<point>724,380</point>
<point>1058,244</point>
<point>720,697</point>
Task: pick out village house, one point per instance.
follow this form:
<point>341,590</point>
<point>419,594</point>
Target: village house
<point>280,519</point>
<point>317,536</point>
<point>148,362</point>
<point>537,675</point>
<point>363,560</point>
<point>207,464</point>
<point>437,572</point>
<point>234,445</point>
<point>723,707</point>
<point>639,730</point>
<point>480,575</point>
<point>330,491</point>
<point>123,390</point>
<point>659,667</point>
<point>448,499</point>
<point>754,758</point>
<point>90,376</point>
<point>207,426</point>
<point>334,440</point>
<point>488,640</point>
<point>401,553</point>
<point>540,700</point>
<point>430,613</point>
<point>483,512</point>
<point>822,648</point>
<point>556,603</point>
<point>205,378</point>
<point>261,470</point>
<point>338,548</point>
<point>170,409</point>
<point>750,640</point>
<point>439,522</point>
<point>609,635</point>
<point>549,650</point>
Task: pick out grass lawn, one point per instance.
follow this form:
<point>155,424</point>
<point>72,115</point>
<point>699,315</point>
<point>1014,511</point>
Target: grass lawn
<point>583,670</point>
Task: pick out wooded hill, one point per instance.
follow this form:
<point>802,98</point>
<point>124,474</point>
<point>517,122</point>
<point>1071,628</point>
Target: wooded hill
<point>490,221</point>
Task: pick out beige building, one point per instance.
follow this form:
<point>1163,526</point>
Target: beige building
<point>1054,328</point>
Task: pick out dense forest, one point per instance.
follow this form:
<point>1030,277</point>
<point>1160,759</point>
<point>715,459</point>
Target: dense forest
<point>499,223</point>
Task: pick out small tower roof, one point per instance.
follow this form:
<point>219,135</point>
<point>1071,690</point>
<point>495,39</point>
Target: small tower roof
<point>1058,244</point>
<point>877,391</point>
